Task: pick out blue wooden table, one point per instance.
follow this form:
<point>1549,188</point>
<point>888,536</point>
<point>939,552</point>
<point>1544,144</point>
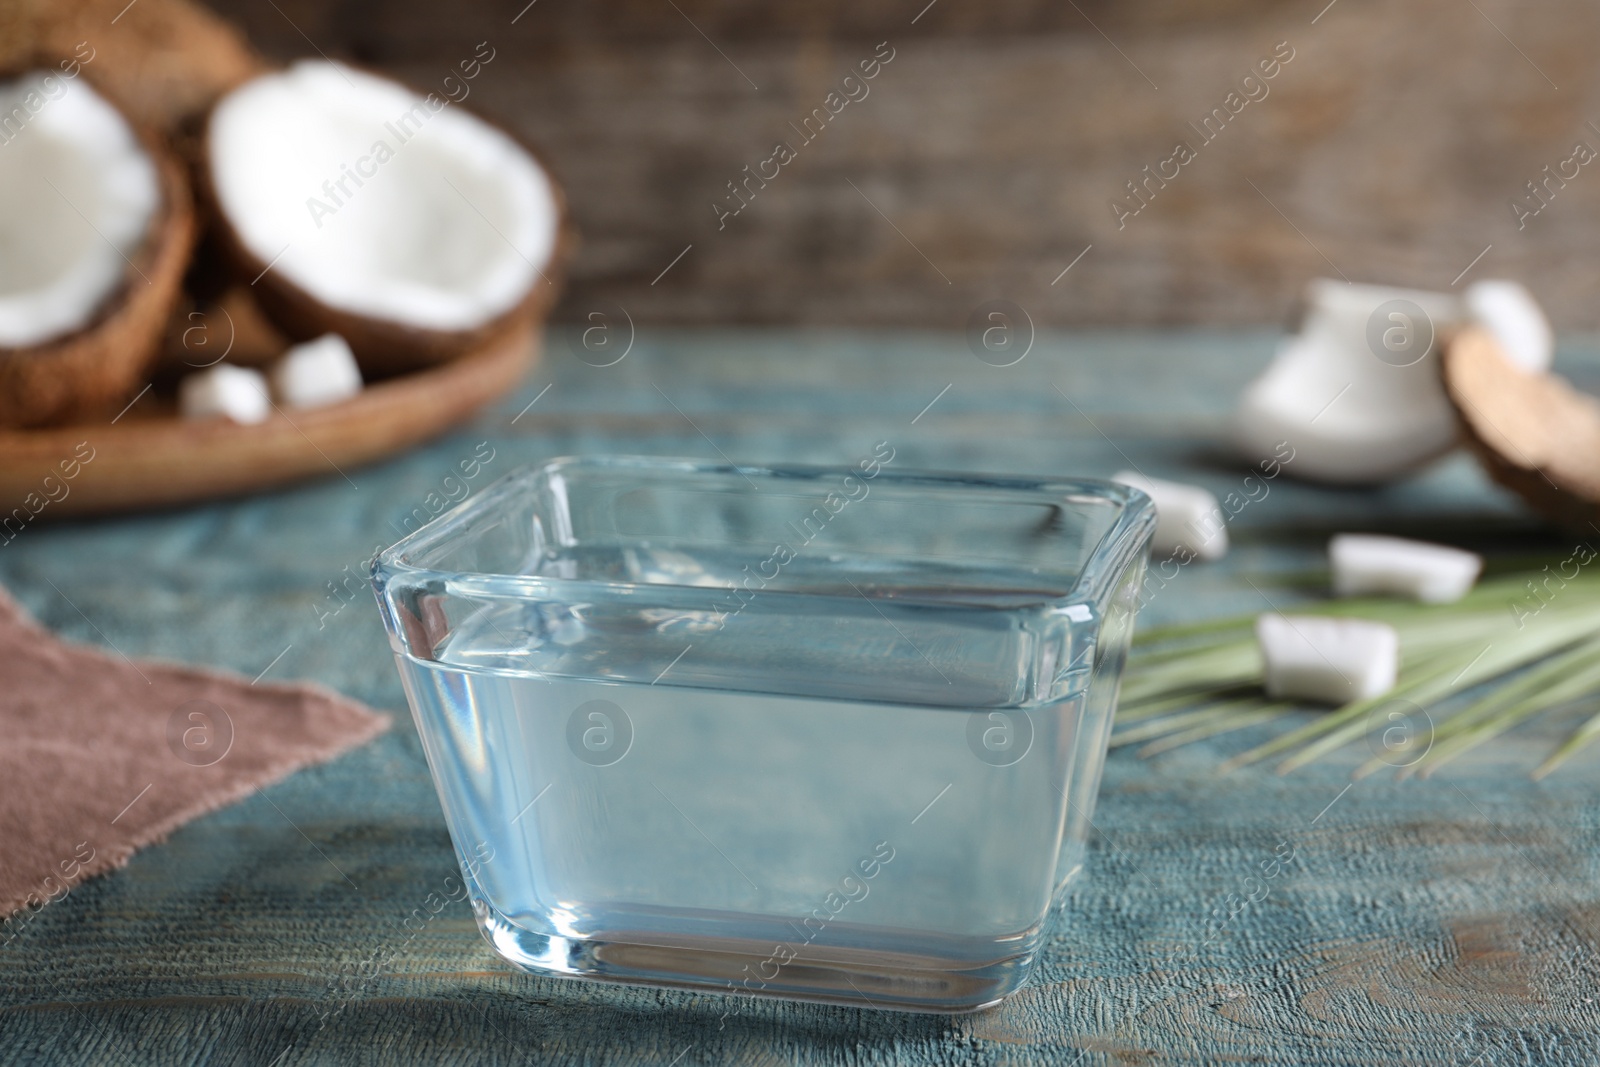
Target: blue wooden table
<point>1448,921</point>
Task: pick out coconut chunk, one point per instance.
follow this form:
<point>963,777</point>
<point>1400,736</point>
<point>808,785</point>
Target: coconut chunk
<point>1356,393</point>
<point>399,220</point>
<point>1333,661</point>
<point>1510,313</point>
<point>1188,518</point>
<point>80,196</point>
<point>1371,565</point>
<point>316,373</point>
<point>237,393</point>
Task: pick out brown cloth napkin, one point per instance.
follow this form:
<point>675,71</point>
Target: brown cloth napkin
<point>101,755</point>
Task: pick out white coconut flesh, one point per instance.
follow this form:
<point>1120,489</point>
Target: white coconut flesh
<point>380,202</point>
<point>1508,311</point>
<point>78,195</point>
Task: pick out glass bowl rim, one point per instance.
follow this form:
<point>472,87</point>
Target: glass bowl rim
<point>1128,535</point>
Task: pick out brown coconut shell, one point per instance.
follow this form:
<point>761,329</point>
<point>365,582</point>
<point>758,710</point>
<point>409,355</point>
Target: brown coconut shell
<point>93,372</point>
<point>164,61</point>
<point>1532,431</point>
<point>383,348</point>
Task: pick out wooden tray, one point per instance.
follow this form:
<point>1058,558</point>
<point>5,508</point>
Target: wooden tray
<point>147,461</point>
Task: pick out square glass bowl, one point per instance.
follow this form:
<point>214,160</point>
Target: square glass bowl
<point>830,733</point>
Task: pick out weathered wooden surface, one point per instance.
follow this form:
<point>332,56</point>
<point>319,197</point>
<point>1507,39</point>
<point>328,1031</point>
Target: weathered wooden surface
<point>1451,921</point>
<point>1388,149</point>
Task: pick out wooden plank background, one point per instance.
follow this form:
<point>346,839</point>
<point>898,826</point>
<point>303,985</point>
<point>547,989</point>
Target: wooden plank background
<point>1451,921</point>
<point>986,156</point>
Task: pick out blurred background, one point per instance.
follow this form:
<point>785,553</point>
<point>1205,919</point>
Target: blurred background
<point>987,154</point>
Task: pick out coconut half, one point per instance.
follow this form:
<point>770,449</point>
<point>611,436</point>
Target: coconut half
<point>1532,431</point>
<point>359,207</point>
<point>95,229</point>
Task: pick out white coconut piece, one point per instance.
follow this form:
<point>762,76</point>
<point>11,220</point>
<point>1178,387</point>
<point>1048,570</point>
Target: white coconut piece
<point>316,373</point>
<point>1510,313</point>
<point>1188,518</point>
<point>79,194</point>
<point>1351,415</point>
<point>1372,565</point>
<point>380,202</point>
<point>237,393</point>
<point>1328,660</point>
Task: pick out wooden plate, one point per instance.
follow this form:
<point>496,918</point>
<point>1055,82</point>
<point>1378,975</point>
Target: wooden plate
<point>147,461</point>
